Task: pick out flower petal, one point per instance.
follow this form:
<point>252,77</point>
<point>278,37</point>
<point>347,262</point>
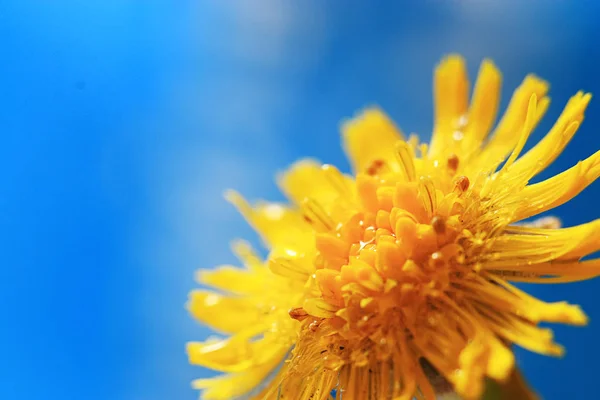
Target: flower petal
<point>370,137</point>
<point>504,139</point>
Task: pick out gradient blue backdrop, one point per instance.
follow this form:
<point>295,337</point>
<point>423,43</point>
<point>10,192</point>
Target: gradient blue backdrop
<point>122,122</point>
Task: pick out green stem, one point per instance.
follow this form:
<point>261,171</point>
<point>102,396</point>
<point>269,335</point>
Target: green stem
<point>515,388</point>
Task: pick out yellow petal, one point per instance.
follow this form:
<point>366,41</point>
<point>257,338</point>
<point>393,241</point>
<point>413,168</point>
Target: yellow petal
<point>484,107</point>
<point>504,139</point>
<point>319,308</point>
<point>251,383</point>
<point>222,355</point>
<point>293,266</point>
<point>556,272</point>
<point>370,137</point>
<point>278,225</point>
<point>450,99</point>
<point>555,191</point>
<point>546,151</point>
<point>513,251</point>
<point>238,352</point>
<point>537,310</point>
<point>223,313</point>
<point>234,280</point>
<point>306,179</point>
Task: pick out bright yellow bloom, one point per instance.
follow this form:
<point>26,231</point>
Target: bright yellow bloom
<point>407,260</point>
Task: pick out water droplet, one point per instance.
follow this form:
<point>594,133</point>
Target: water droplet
<point>462,121</point>
<point>458,135</point>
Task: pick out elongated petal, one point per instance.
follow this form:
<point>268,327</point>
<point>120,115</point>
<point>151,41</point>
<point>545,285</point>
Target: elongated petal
<point>546,151</point>
<point>538,246</point>
<point>554,272</point>
<point>555,191</point>
<point>278,225</point>
<point>368,138</point>
<point>483,109</point>
<point>307,179</point>
<point>223,313</point>
<point>450,99</point>
<point>233,279</point>
<point>250,384</point>
<point>506,134</point>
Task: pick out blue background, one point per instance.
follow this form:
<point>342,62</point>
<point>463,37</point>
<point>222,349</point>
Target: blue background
<point>122,122</point>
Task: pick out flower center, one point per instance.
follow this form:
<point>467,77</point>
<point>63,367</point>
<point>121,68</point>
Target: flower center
<point>380,259</point>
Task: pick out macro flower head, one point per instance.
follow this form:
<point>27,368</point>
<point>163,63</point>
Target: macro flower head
<point>408,263</point>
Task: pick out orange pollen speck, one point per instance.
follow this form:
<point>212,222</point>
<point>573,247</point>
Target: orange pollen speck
<point>453,162</point>
<point>298,313</point>
<point>462,183</point>
<point>375,167</point>
<point>439,225</point>
<point>314,325</point>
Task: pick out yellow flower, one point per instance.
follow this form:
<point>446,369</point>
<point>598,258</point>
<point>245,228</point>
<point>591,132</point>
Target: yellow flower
<point>406,263</point>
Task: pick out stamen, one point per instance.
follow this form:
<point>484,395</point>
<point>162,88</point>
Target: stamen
<point>462,184</point>
<point>298,313</point>
<point>452,163</point>
<point>405,158</point>
<point>288,267</point>
<point>376,167</point>
<point>315,215</point>
<point>413,141</point>
<point>336,178</point>
<point>439,225</point>
<point>427,194</point>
